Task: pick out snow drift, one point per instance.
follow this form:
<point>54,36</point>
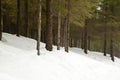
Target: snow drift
<point>19,61</point>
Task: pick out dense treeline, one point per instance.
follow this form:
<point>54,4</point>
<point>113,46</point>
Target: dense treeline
<point>89,24</point>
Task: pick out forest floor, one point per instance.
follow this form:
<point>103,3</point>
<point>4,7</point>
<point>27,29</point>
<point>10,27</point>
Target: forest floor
<point>19,61</point>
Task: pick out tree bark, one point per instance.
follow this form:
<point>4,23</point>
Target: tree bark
<point>105,41</point>
<point>54,39</point>
<point>82,40</point>
<point>0,20</point>
<point>62,33</point>
<point>85,37</point>
<point>26,18</point>
<point>18,18</point>
<point>65,34</point>
<point>49,25</point>
<point>71,42</point>
<point>111,44</point>
<point>65,29</point>
<point>39,28</point>
<point>111,36</point>
<point>67,26</point>
<point>89,42</point>
<point>59,26</point>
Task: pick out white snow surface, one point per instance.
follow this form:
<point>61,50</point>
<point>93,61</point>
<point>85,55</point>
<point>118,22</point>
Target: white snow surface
<point>19,61</point>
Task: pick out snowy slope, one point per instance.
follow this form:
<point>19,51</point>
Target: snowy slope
<point>18,61</point>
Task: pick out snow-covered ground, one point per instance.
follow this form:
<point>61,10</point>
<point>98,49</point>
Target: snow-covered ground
<point>19,61</point>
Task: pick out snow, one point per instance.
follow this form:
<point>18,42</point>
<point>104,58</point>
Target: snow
<point>19,61</point>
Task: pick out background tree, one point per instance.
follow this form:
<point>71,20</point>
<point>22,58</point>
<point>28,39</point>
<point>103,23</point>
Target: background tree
<point>39,27</point>
<point>26,18</point>
<point>86,36</point>
<point>59,25</point>
<point>0,20</point>
<point>49,25</point>
<point>18,18</point>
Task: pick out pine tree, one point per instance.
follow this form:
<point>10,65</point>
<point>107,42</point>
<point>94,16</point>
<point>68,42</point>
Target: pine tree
<point>49,25</point>
<point>18,18</point>
<point>39,27</point>
<point>105,41</point>
<point>85,37</point>
<point>26,18</point>
<point>59,25</point>
<point>89,40</point>
<point>82,40</point>
<point>0,20</point>
<point>67,26</point>
<point>111,44</point>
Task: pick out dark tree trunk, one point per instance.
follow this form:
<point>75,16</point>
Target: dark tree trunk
<point>85,37</point>
<point>82,40</point>
<point>89,42</point>
<point>59,26</point>
<point>54,34</point>
<point>105,41</point>
<point>67,26</point>
<point>111,36</point>
<point>18,18</point>
<point>44,35</point>
<point>39,28</point>
<point>49,25</point>
<point>62,32</point>
<point>65,36</point>
<point>0,20</point>
<point>26,18</point>
<point>105,31</point>
<point>111,45</point>
<point>71,42</point>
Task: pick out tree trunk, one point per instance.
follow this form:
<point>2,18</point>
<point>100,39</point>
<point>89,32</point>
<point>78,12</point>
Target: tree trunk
<point>54,34</point>
<point>49,25</point>
<point>111,44</point>
<point>62,33</point>
<point>59,26</point>
<point>26,18</point>
<point>82,40</point>
<point>71,42</point>
<point>39,28</point>
<point>0,20</point>
<point>65,29</point>
<point>105,41</point>
<point>85,37</point>
<point>18,18</point>
<point>65,35</point>
<point>89,42</point>
<point>111,36</point>
<point>67,26</point>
